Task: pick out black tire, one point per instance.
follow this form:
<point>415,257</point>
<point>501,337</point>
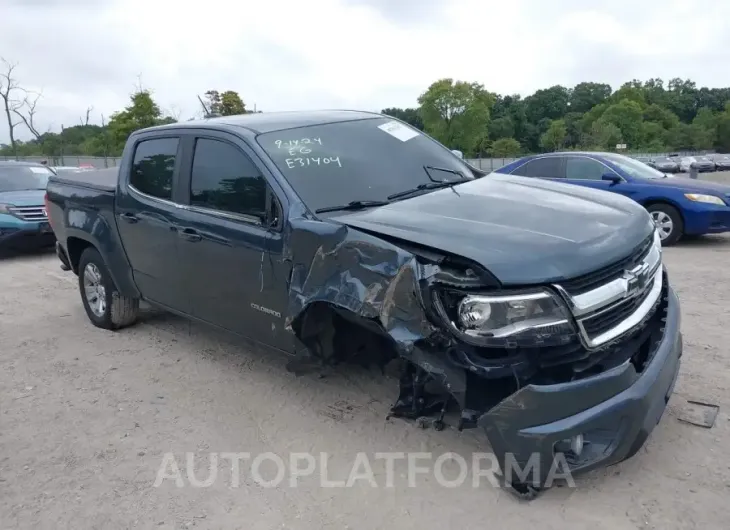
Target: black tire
<point>115,311</point>
<point>677,223</point>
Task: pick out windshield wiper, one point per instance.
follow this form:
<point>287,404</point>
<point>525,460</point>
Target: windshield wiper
<point>447,170</point>
<point>425,186</point>
<point>352,205</point>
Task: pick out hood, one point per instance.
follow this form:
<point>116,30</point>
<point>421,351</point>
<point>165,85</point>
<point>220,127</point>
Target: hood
<point>691,185</point>
<point>524,231</point>
<point>23,197</point>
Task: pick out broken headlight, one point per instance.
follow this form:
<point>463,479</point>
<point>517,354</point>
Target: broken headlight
<point>527,319</point>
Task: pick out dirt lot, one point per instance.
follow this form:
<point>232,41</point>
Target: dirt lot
<point>86,418</point>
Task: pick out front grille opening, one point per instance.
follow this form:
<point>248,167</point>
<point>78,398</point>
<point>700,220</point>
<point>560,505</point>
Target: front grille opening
<point>30,213</point>
<point>610,318</point>
<point>592,280</point>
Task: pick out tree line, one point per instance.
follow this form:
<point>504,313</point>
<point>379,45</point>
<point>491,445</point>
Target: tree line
<point>648,116</point>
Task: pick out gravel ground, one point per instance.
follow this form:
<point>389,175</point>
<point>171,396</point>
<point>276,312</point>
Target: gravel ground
<point>87,417</point>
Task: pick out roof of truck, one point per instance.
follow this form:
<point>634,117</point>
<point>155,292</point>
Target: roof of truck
<point>263,122</point>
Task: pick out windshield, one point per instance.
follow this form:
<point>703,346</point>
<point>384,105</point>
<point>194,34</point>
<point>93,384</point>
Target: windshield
<point>635,168</point>
<point>702,159</point>
<point>19,178</point>
<point>663,161</point>
<point>362,160</point>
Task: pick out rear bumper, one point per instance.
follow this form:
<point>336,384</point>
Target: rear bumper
<point>614,411</point>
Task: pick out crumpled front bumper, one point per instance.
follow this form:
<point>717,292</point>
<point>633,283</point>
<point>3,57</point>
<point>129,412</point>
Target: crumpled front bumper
<point>614,411</point>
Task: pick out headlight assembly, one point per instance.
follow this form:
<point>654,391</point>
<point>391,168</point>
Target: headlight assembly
<point>708,199</point>
<point>527,318</point>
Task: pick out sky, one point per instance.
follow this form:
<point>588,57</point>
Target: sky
<point>356,54</point>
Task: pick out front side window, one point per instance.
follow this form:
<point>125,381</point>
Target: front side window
<point>154,166</point>
<point>224,178</point>
<point>21,178</point>
<point>584,169</point>
<point>360,160</point>
<point>634,168</point>
<point>549,167</point>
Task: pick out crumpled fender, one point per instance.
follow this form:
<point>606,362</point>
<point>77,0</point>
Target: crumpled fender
<point>374,279</point>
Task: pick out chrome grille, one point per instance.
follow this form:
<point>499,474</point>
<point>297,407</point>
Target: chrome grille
<point>590,281</point>
<point>627,293</point>
<point>604,320</point>
<point>30,213</point>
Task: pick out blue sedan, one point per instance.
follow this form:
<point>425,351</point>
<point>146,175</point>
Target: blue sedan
<point>679,206</point>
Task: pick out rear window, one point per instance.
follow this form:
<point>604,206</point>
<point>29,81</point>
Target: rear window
<point>20,178</point>
<point>154,166</point>
<point>361,160</point>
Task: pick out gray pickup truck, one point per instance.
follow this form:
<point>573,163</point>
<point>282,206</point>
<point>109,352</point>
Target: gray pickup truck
<point>538,311</point>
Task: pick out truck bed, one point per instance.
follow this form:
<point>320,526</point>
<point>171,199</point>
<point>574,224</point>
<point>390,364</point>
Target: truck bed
<point>99,179</point>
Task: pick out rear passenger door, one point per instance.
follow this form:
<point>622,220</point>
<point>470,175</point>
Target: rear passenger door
<point>147,218</point>
<point>549,167</point>
<point>231,243</point>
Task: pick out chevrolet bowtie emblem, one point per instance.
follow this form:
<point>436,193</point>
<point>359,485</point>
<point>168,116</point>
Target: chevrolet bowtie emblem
<point>636,279</point>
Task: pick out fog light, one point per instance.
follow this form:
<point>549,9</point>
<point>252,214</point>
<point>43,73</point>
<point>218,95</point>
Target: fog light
<point>576,444</point>
<point>571,446</point>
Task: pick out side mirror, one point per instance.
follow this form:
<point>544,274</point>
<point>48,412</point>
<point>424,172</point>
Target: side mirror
<point>458,153</point>
<point>611,177</point>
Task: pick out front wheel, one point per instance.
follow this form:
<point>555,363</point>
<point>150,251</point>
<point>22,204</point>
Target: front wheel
<point>668,222</point>
<point>104,305</point>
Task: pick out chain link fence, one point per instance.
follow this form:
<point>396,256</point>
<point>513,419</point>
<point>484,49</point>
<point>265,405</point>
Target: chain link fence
<point>485,164</point>
<point>98,162</point>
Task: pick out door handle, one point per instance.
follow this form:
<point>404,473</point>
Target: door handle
<point>190,234</point>
<point>129,217</point>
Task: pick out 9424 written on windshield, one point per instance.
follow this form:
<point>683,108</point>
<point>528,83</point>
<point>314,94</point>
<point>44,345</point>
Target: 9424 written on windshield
<point>301,153</point>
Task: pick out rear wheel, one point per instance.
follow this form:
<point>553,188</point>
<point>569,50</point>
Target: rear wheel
<point>104,305</point>
<point>668,222</point>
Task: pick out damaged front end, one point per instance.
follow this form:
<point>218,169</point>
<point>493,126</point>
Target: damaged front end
<point>582,369</point>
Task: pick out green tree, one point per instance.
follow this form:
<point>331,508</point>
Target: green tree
<point>227,103</point>
<point>585,96</point>
<point>550,103</point>
<point>231,104</point>
<point>554,138</point>
<point>456,113</point>
<point>505,148</point>
<point>604,135</point>
<point>627,115</point>
<point>723,129</point>
<point>142,112</point>
<point>410,116</point>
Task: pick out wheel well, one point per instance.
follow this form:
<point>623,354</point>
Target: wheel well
<point>76,247</point>
<point>652,202</point>
<point>337,335</point>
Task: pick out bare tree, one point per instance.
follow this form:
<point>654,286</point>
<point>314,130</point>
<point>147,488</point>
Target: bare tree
<point>9,89</point>
<point>85,121</point>
<point>27,111</point>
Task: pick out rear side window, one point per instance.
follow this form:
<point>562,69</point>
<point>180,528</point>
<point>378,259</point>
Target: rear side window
<point>551,168</point>
<point>154,166</point>
<point>225,179</point>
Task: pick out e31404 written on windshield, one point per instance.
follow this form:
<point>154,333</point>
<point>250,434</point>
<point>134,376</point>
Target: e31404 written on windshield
<point>303,146</point>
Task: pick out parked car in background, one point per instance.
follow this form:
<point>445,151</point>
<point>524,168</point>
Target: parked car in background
<point>664,164</point>
<point>23,218</point>
<point>703,164</point>
<point>722,162</point>
<point>506,297</point>
<point>678,205</point>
